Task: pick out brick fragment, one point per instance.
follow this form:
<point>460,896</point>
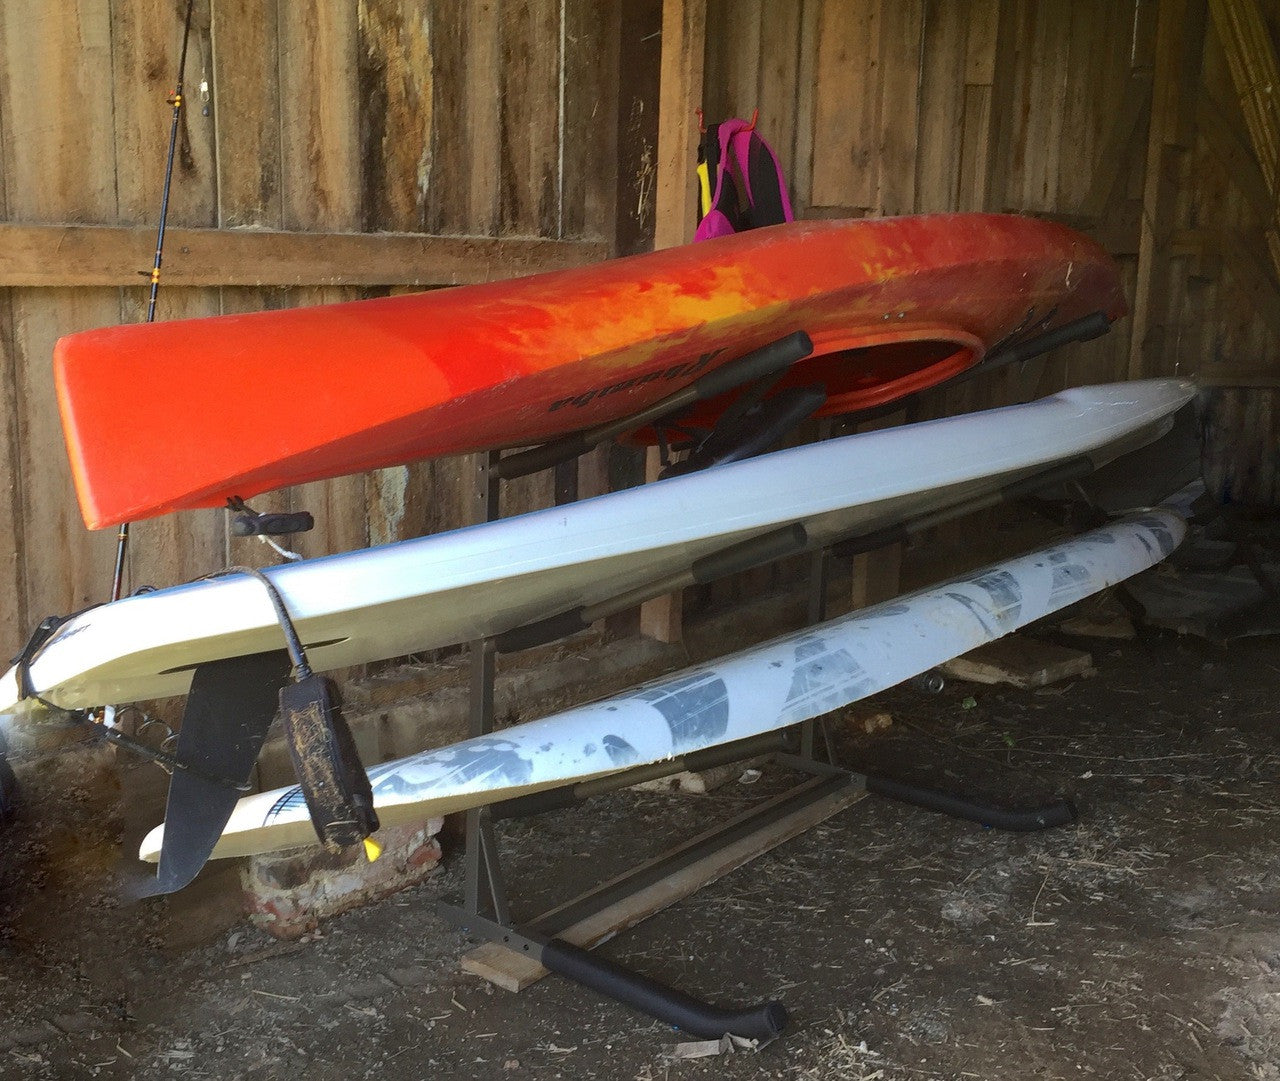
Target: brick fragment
<point>288,893</point>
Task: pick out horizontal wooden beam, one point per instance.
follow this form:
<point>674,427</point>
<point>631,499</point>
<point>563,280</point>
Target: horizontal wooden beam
<point>82,255</point>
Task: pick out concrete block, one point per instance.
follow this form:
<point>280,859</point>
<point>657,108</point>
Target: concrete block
<point>410,726</point>
<point>289,893</point>
<point>366,730</point>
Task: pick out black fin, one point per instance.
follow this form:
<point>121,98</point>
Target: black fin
<point>230,706</point>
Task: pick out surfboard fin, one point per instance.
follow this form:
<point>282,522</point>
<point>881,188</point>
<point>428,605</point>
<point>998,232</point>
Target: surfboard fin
<point>334,783</point>
<point>230,706</point>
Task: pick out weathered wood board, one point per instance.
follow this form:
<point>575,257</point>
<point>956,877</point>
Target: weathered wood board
<point>1021,662</point>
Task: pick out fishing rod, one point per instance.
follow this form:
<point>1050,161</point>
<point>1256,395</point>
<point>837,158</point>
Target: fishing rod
<point>177,101</point>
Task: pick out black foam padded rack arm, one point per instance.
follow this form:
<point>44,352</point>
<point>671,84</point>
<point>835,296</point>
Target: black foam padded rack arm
<point>1056,813</point>
<point>769,359</point>
<point>763,1022</point>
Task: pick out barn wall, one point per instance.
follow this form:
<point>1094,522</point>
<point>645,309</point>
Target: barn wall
<point>899,106</point>
<point>486,118</point>
<point>537,121</point>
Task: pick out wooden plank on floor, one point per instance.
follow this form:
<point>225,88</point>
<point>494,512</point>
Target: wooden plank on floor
<point>1021,662</point>
<point>514,971</point>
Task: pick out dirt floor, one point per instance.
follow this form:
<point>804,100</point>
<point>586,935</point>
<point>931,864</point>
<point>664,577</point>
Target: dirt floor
<point>1142,942</point>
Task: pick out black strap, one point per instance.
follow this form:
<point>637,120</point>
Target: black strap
<point>762,176</point>
<point>298,655</point>
<point>721,175</point>
<point>45,630</point>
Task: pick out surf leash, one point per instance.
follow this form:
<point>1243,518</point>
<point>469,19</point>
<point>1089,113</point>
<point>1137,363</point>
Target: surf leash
<point>105,721</point>
<point>176,100</point>
<point>333,780</point>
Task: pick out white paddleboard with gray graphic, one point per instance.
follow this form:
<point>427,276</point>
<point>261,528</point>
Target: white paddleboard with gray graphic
<point>453,587</point>
<point>783,682</point>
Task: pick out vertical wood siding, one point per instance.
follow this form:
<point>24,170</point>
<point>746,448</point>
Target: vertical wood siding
<point>897,106</point>
<point>451,117</point>
<point>503,117</point>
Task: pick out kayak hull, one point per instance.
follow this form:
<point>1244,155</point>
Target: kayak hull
<point>167,416</point>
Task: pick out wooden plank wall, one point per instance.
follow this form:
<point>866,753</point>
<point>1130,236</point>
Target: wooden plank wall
<point>899,106</point>
<point>328,123</point>
<point>484,118</point>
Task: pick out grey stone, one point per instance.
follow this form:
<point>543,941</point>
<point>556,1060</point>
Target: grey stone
<point>76,1023</point>
<point>412,976</point>
<point>364,989</point>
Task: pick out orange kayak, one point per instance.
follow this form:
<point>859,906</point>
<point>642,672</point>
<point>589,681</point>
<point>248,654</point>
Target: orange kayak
<point>167,416</point>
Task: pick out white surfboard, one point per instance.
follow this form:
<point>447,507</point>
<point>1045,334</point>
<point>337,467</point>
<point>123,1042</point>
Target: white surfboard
<point>452,587</point>
<point>783,682</point>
